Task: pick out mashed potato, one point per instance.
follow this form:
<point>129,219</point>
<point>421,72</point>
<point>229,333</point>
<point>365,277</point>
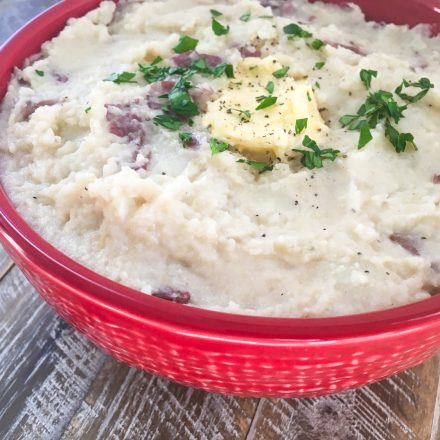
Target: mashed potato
<point>195,150</point>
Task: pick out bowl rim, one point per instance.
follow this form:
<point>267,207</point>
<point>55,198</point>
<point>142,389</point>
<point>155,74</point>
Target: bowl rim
<point>181,318</point>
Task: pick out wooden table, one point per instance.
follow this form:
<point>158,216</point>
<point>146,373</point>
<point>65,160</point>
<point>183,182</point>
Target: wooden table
<point>54,384</point>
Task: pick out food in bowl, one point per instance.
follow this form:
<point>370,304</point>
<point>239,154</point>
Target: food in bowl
<point>279,162</point>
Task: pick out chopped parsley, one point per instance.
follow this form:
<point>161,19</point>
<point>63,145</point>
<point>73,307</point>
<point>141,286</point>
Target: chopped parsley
<point>215,13</point>
<point>88,109</point>
<point>319,65</point>
<point>186,44</point>
<point>314,158</point>
<point>218,28</point>
<point>381,106</point>
<point>180,101</point>
<point>294,30</point>
<point>309,98</point>
<point>39,72</point>
<point>223,68</point>
<point>186,138</point>
<point>167,121</point>
<point>245,114</point>
<point>246,16</point>
<point>266,101</point>
<point>266,17</point>
<point>301,125</point>
<point>261,167</point>
<point>399,140</point>
<point>119,78</point>
<point>317,44</point>
<point>281,73</point>
<point>424,84</point>
<point>367,76</point>
<point>217,146</point>
<point>270,87</point>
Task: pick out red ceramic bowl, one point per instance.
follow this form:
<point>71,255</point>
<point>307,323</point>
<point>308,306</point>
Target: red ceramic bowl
<point>219,352</point>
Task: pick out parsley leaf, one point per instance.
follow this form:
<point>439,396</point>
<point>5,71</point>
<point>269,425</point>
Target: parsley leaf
<point>246,16</point>
<point>119,78</point>
<point>186,44</point>
<point>424,84</point>
<point>314,158</point>
<point>181,101</point>
<point>365,136</point>
<point>215,13</point>
<point>317,44</point>
<point>367,76</point>
<point>399,140</point>
<point>270,87</point>
<point>301,125</point>
<point>186,138</point>
<point>223,68</point>
<point>294,30</point>
<point>266,101</point>
<point>281,73</point>
<point>39,72</point>
<point>87,110</point>
<point>217,146</point>
<point>319,65</point>
<point>166,121</point>
<point>218,28</point>
<point>261,167</point>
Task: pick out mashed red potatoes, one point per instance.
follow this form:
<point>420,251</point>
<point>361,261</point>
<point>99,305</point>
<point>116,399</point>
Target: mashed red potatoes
<point>235,157</point>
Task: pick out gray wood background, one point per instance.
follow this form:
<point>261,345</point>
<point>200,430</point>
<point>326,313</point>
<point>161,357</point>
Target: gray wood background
<point>54,384</point>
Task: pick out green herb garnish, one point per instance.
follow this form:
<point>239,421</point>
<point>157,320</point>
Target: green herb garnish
<point>186,44</point>
<point>365,136</point>
<point>261,167</point>
<point>39,72</point>
<point>180,101</point>
<point>399,140</point>
<point>218,28</point>
<point>119,78</point>
<point>246,16</point>
<point>217,146</point>
<point>270,87</point>
<point>215,13</point>
<point>317,44</point>
<point>167,121</point>
<point>88,109</point>
<point>367,76</point>
<point>309,98</point>
<point>294,30</point>
<point>266,101</point>
<point>223,68</point>
<point>314,158</point>
<point>319,65</point>
<point>301,125</point>
<point>186,138</point>
<point>281,73</point>
<point>424,84</point>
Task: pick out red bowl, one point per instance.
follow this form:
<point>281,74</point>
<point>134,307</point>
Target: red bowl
<point>242,355</point>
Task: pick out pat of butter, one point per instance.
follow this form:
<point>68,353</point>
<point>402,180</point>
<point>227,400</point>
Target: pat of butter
<point>270,131</point>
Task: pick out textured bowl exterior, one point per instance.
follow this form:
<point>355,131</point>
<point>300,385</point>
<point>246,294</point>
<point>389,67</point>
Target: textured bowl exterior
<point>241,355</point>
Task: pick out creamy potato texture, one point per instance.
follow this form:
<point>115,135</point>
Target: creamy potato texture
<point>170,179</point>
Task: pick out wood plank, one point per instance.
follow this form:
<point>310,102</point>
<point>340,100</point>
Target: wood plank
<point>46,367</point>
<point>400,408</point>
<point>125,403</point>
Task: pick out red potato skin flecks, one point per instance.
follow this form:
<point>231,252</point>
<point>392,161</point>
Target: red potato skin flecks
<point>176,296</point>
<point>436,179</point>
<point>31,106</point>
<point>186,58</point>
<point>407,242</point>
<point>123,122</point>
<point>249,51</point>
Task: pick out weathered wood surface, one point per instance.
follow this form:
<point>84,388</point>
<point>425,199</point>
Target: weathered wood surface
<point>54,384</point>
